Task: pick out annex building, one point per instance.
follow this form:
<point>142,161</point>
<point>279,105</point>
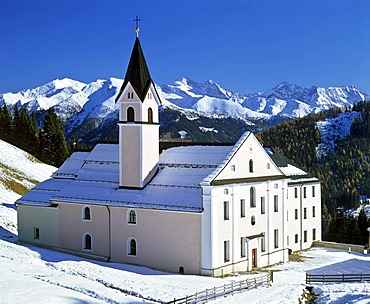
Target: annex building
<point>207,210</point>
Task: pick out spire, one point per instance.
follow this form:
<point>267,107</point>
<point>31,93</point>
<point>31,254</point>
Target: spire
<point>137,72</point>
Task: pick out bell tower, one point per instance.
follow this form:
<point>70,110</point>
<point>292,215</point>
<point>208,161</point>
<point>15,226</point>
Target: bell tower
<point>138,123</point>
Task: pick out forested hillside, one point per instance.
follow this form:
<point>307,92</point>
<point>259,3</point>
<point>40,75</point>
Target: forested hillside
<point>344,172</point>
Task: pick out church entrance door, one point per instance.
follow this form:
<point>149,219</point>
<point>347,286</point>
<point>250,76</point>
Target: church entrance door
<point>254,257</point>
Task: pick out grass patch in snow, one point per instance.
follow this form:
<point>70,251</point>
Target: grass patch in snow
<point>15,180</point>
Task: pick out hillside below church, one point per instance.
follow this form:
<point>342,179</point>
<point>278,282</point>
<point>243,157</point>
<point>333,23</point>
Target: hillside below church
<point>19,172</point>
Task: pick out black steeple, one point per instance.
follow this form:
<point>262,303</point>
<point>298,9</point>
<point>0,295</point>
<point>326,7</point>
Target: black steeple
<point>137,73</point>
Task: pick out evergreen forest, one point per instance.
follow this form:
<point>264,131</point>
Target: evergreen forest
<point>47,143</point>
<point>344,172</point>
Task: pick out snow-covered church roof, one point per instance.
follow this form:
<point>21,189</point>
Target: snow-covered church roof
<point>93,178</point>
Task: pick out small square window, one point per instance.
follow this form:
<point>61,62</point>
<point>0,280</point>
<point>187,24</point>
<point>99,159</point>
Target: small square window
<point>36,233</point>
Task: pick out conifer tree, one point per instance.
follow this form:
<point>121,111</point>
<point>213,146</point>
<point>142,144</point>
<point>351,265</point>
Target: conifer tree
<point>52,141</point>
<point>5,123</point>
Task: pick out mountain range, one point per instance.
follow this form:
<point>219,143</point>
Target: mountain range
<point>89,112</point>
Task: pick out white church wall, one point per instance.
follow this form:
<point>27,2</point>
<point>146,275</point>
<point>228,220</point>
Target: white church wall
<point>45,219</point>
<point>165,240</point>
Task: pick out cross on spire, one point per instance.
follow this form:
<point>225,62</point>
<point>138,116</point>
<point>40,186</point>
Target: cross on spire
<point>137,25</point>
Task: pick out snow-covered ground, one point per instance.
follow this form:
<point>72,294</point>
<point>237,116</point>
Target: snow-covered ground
<point>35,275</point>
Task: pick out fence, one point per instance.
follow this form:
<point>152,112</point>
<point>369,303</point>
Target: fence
<point>223,291</point>
<point>336,278</point>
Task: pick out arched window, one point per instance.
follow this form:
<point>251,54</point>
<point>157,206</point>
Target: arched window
<point>130,114</point>
<point>86,213</point>
<point>150,115</point>
<point>87,241</point>
<point>251,165</point>
<point>132,247</point>
<point>131,217</point>
<point>252,197</point>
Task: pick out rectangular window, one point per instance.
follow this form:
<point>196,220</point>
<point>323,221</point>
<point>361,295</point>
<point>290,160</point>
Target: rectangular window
<point>263,245</point>
<point>295,192</point>
<point>226,210</point>
<point>313,191</point>
<point>287,240</point>
<point>287,215</point>
<point>36,233</point>
<point>276,238</point>
<point>276,203</point>
<point>304,213</point>
<point>305,236</point>
<point>263,210</point>
<point>242,208</point>
<point>296,238</point>
<point>296,214</point>
<point>226,251</point>
<point>304,192</point>
<point>313,234</point>
<point>242,247</point>
<point>313,211</point>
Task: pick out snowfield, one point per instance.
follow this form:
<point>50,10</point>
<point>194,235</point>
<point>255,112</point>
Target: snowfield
<point>35,275</point>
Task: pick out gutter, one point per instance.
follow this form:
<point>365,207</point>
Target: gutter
<point>109,236</point>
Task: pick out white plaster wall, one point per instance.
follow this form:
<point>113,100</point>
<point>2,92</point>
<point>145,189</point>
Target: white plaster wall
<point>72,227</point>
<point>250,149</point>
<point>166,240</point>
<point>44,218</point>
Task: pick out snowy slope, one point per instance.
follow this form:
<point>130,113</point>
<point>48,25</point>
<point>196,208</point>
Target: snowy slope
<point>19,172</point>
<point>333,129</point>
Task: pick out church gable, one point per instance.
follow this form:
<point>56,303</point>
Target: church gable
<point>248,161</point>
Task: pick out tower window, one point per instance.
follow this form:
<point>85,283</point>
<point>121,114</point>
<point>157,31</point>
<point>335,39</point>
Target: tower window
<point>130,95</point>
<point>130,114</point>
<point>150,115</point>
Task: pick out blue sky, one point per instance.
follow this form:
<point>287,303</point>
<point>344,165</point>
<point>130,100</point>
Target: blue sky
<point>244,45</point>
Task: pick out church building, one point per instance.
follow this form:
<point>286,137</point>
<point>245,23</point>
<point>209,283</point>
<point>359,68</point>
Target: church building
<point>196,209</point>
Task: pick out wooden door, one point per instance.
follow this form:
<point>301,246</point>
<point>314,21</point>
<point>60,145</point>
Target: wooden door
<point>254,257</point>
